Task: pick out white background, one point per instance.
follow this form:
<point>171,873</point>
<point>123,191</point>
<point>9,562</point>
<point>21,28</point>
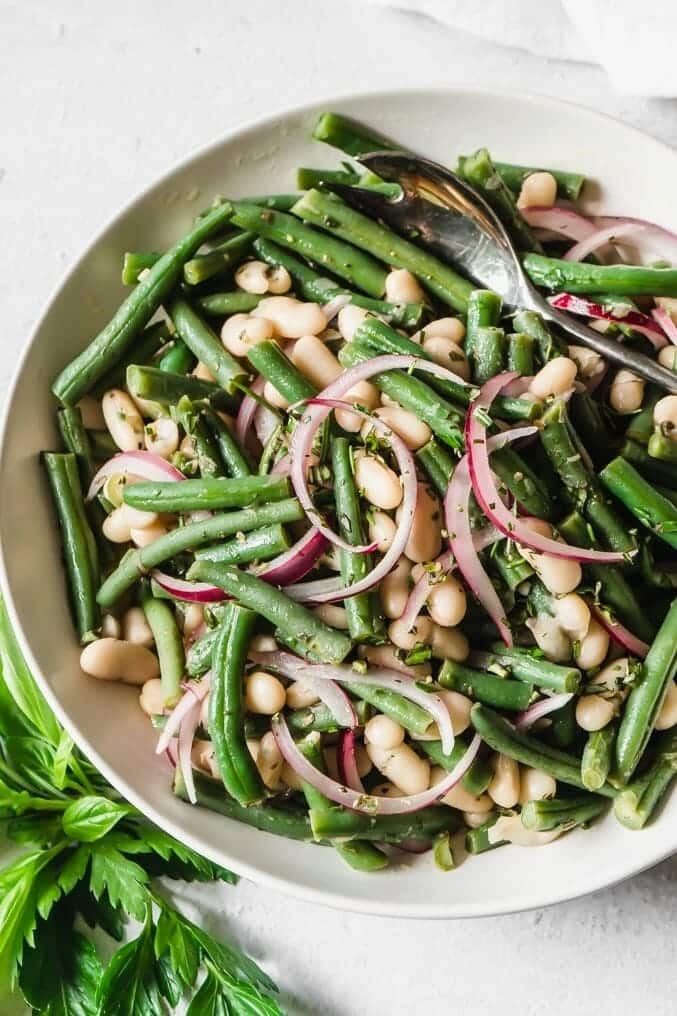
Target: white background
<point>97,99</point>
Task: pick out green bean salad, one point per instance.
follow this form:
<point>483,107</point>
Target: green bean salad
<point>387,561</point>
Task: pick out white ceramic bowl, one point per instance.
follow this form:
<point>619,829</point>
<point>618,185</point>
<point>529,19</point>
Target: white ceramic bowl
<point>637,177</point>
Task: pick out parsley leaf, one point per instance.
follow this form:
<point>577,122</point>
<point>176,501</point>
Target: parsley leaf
<point>21,685</point>
<point>123,880</point>
<point>129,986</point>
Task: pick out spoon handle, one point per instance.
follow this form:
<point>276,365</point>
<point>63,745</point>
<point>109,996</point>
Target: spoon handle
<point>607,347</point>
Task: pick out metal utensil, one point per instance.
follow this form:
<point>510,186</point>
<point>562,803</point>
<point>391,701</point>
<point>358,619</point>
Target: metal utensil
<point>441,212</point>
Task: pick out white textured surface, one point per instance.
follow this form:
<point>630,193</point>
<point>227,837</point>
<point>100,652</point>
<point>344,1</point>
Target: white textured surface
<point>98,100</point>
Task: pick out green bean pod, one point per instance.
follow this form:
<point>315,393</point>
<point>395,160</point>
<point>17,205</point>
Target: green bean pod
<point>168,644</point>
<point>208,493</point>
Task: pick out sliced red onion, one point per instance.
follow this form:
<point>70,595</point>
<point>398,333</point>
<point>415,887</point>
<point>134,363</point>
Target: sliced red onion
<point>600,238</point>
<point>265,423</point>
<point>331,308</point>
<point>489,500</point>
<point>192,592</point>
<point>296,562</point>
<point>540,709</point>
<point>189,725</point>
<point>632,318</point>
<point>147,465</point>
<point>281,467</point>
<point>657,237</point>
<point>520,386</point>
<point>347,762</point>
<point>293,667</point>
<point>248,407</point>
<point>171,757</point>
<point>563,221</point>
<point>365,803</point>
<point>194,693</point>
<point>621,635</point>
<point>661,316</point>
<point>328,590</point>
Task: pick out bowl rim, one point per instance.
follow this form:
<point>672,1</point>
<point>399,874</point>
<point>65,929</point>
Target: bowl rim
<point>336,900</point>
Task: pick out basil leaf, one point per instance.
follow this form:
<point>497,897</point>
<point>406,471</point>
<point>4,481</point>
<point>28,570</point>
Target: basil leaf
<point>91,817</point>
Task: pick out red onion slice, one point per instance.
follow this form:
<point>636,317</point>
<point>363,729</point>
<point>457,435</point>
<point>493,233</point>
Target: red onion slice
<point>661,316</point>
<point>147,465</point>
<point>365,803</point>
<point>281,467</point>
<point>189,725</point>
<point>657,237</point>
<point>331,308</point>
<point>191,592</point>
<point>488,497</point>
<point>540,709</point>
<point>600,238</point>
<point>296,562</point>
<point>195,692</point>
<point>310,592</point>
<point>296,669</point>
<point>265,423</point>
<point>347,762</point>
<point>564,221</point>
<point>248,407</point>
<point>632,318</point>
<point>621,635</point>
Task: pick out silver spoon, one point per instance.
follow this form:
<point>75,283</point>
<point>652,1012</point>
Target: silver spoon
<point>450,218</point>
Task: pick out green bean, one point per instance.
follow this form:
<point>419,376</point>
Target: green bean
<point>334,822</point>
<point>597,756</point>
<point>294,824</point>
<point>206,345</point>
<point>408,714</point>
<point>320,289</point>
<point>207,457</point>
<point>226,706</point>
<point>480,172</point>
<point>177,360</point>
<point>78,543</point>
<point>523,483</point>
<point>487,353</point>
<point>349,135</point>
<point>477,840</point>
<point>511,566</point>
<point>307,178</point>
<point>646,697</point>
<point>77,440</point>
<point>640,425</point>
<point>547,344</point>
<point>484,687</point>
<point>225,304</point>
<point>484,311</point>
<point>536,670</point>
<point>199,655</point>
<point>210,493</point>
<point>587,417</point>
<point>168,644</point>
<point>329,213</point>
<point>362,855</point>
<point>479,775</point>
<point>569,185</point>
<point>563,727</point>
<point>654,470</point>
<point>259,545</point>
<point>219,260</point>
<point>362,622</point>
<point>337,257</point>
<point>582,277</point>
<point>103,445</point>
<point>295,625</point>
<point>142,560</point>
<point>649,507</point>
<point>157,385</point>
<point>277,368</point>
<point>233,457</point>
<point>438,464</point>
<point>662,447</point>
<point>135,262</point>
<point>521,353</point>
<point>111,344</point>
<point>142,351</point>
<point>635,803</point>
<point>564,813</point>
<point>502,737</point>
<point>320,718</point>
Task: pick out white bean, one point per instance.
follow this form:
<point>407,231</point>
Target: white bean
<point>263,644</point>
<point>458,797</point>
<point>115,485</point>
<point>290,778</point>
<point>264,693</point>
<point>425,537</point>
<point>279,280</point>
<point>448,354</point>
<point>110,626</point>
<point>193,618</point>
<point>447,602</point>
<point>202,757</point>
<point>383,732</point>
<point>626,393</point>
<point>449,644</point>
<point>458,706</point>
<point>291,317</point>
<point>117,526</point>
<point>667,357</point>
<point>332,614</point>
<point>241,331</point>
<point>589,362</point>
<point>594,712</point>
<point>538,190</point>
<point>142,537</point>
<point>202,372</point>
<point>152,697</point>
<point>382,531</point>
<point>330,755</point>
<point>414,432</point>
<point>269,761</point>
<point>535,785</point>
<point>504,788</point>
<point>300,696</point>
<point>573,615</point>
<point>474,819</point>
<point>363,394</point>
<point>135,628</point>
<point>252,276</point>
<point>667,716</point>
<point>363,761</point>
<point>510,829</point>
<point>555,378</point>
<point>116,660</point>
<point>162,437</point>
<point>123,420</point>
<point>376,481</point>
<point>350,318</point>
<point>275,398</point>
<point>443,328</point>
<point>402,766</point>
<point>315,361</point>
<point>665,415</point>
<point>188,448</point>
<point>420,633</point>
<point>394,589</point>
<point>557,574</point>
<point>91,412</point>
<point>592,649</point>
<point>549,636</point>
<point>386,656</point>
<point>403,287</point>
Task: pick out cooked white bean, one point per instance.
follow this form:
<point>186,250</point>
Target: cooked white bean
<point>271,394</point>
<point>362,761</point>
<point>290,778</point>
<point>592,650</point>
<point>667,716</point>
<point>555,378</point>
<point>193,618</point>
<point>142,537</point>
<point>665,415</point>
<point>449,644</point>
<point>589,362</point>
<point>474,819</point>
<point>123,420</point>
<point>447,602</point>
<point>300,696</point>
<point>549,636</point>
<point>332,614</point>
<point>252,276</point>
<point>504,788</point>
<point>263,644</point>
<point>264,693</point>
<point>161,437</point>
<point>406,638</point>
<point>402,766</point>
<point>279,280</point>
<point>114,487</point>
<point>535,785</point>
<point>350,318</point>
<point>330,756</point>
<point>91,412</point>
<point>116,660</point>
<point>364,395</point>
<point>414,432</point>
<point>269,761</point>
<point>667,357</point>
<point>538,190</point>
<point>135,628</point>
<point>110,626</point>
<point>386,656</point>
<point>202,372</point>
<point>425,537</point>
<point>458,707</point>
<point>573,615</point>
<point>315,361</point>
<point>594,712</point>
<point>188,448</point>
<point>383,732</point>
<point>241,331</point>
<point>443,328</point>
<point>510,829</point>
<point>626,393</point>
<point>458,797</point>
<point>152,697</point>
<point>202,757</point>
<point>448,354</point>
<point>147,408</point>
<point>403,287</point>
<point>376,481</point>
<point>382,531</point>
<point>394,589</point>
<point>291,317</point>
<point>558,575</point>
<point>117,526</point>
